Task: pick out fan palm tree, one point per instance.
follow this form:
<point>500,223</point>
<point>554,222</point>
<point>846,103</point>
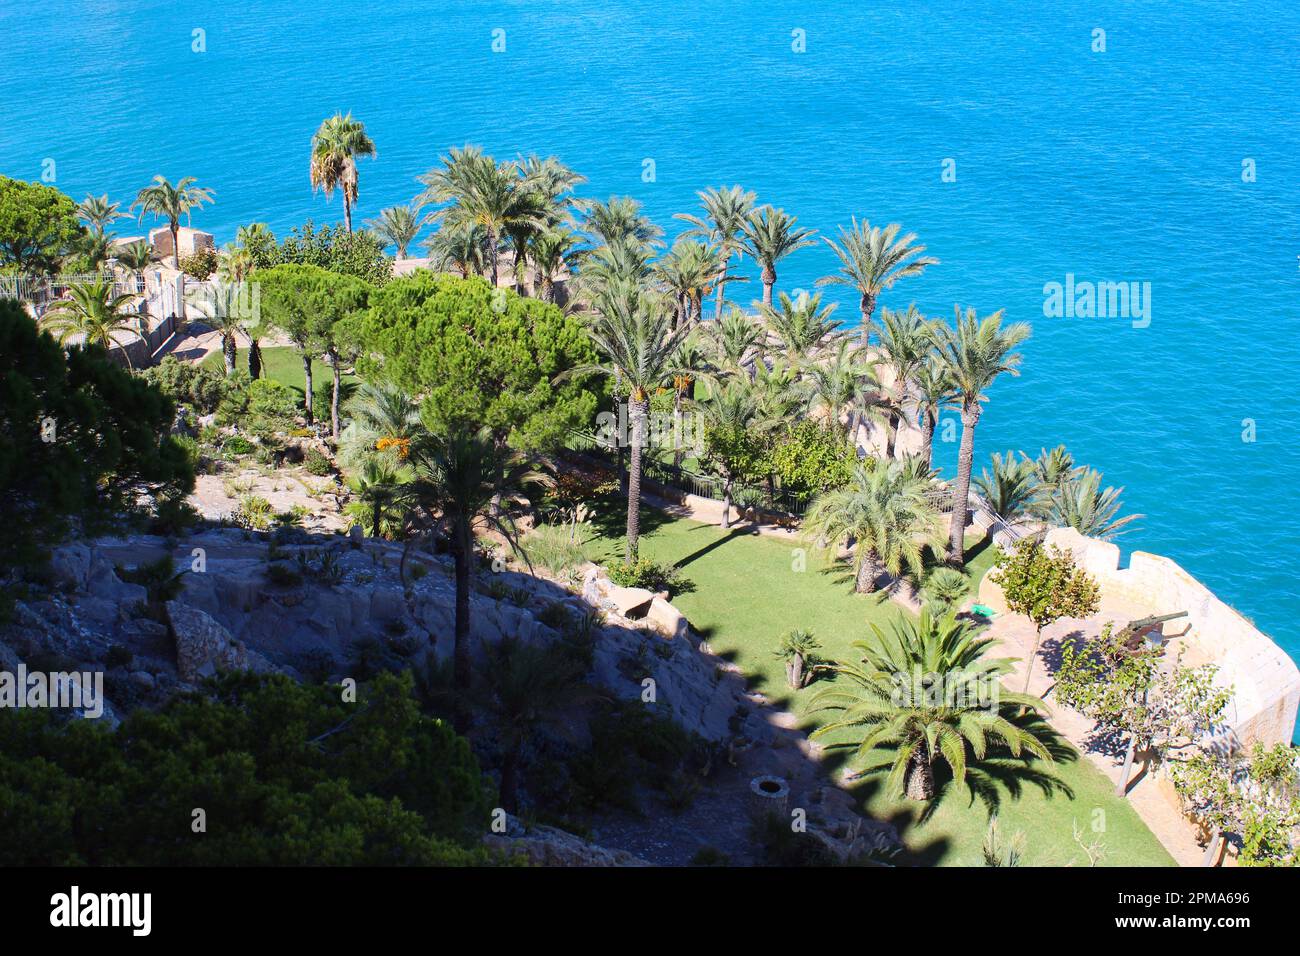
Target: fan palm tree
<point>554,253</point>
<point>397,226</point>
<point>457,485</point>
<point>384,418</point>
<point>1080,502</point>
<point>886,513</point>
<point>335,148</point>
<point>381,489</point>
<point>974,353</point>
<point>934,390</point>
<point>92,312</point>
<point>927,692</point>
<point>837,384</point>
<point>642,349</point>
<point>166,201</point>
<point>474,190</point>
<point>872,260</point>
<point>99,213</point>
<point>459,248</point>
<point>1011,488</point>
<point>620,219</point>
<point>802,326</point>
<point>726,211</point>
<point>769,236</point>
<point>906,339</point>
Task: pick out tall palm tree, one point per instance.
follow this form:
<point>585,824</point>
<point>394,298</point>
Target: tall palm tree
<point>397,226</point>
<point>550,184</point>
<point>641,347</point>
<point>225,309</point>
<point>927,692</point>
<point>620,219</point>
<point>99,213</point>
<point>725,212</point>
<point>91,311</point>
<point>769,236</point>
<point>459,480</point>
<point>166,201</point>
<point>975,353</point>
<point>934,390</point>
<point>885,511</point>
<point>836,385</point>
<point>802,326</point>
<point>906,339</point>
<point>1080,502</point>
<point>872,260</point>
<point>1011,488</point>
<point>335,148</point>
<point>474,190</point>
<point>688,272</point>
<point>555,253</point>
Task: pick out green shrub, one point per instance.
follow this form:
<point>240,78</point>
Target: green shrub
<point>235,445</point>
<point>283,576</point>
<point>317,463</point>
<point>201,265</point>
<point>647,574</point>
<point>194,386</point>
<point>557,548</point>
<point>254,512</point>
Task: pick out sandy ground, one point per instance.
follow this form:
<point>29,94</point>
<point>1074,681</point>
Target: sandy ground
<point>217,496</point>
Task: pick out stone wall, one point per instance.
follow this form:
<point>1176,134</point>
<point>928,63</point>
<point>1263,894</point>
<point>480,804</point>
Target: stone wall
<point>1265,680</point>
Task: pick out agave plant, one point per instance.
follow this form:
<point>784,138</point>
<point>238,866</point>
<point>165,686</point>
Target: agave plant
<point>926,693</point>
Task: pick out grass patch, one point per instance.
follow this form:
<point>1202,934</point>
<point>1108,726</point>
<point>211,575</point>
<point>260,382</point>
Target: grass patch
<point>747,594</point>
<point>282,364</point>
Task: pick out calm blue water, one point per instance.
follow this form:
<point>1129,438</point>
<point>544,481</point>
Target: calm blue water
<point>1124,165</point>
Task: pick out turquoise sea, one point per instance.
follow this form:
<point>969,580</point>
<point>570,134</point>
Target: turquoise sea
<point>1124,165</point>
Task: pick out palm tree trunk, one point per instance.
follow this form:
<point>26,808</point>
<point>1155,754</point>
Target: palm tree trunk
<point>719,294</point>
<point>769,280</point>
<point>868,307</point>
<point>638,408</point>
<point>919,783</point>
<point>726,504</point>
<point>677,428</point>
<point>1029,661</point>
<point>927,437</point>
<point>176,242</point>
<point>334,395</point>
<point>228,352</point>
<point>254,359</point>
<point>868,570</point>
<point>892,422</point>
<point>347,210</point>
<point>492,254</point>
<point>375,514</point>
<point>460,652</point>
<point>970,416</point>
<point>510,780</point>
<point>1121,787</point>
<point>306,372</point>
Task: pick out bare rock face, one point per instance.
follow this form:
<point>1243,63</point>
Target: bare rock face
<point>203,646</point>
<point>547,846</point>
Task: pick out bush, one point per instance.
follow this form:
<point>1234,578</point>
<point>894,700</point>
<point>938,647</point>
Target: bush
<point>235,445</point>
<point>254,513</point>
<point>262,407</point>
<point>647,574</point>
<point>557,548</point>
<point>317,463</point>
<point>201,265</point>
<point>196,386</point>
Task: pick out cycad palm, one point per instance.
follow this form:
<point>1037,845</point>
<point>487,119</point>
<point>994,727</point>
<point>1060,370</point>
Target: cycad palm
<point>769,236</point>
<point>974,353</point>
<point>872,260</point>
<point>91,311</point>
<point>398,226</point>
<point>335,148</point>
<point>927,693</point>
<point>725,213</point>
<point>642,351</point>
<point>170,202</point>
<point>885,511</point>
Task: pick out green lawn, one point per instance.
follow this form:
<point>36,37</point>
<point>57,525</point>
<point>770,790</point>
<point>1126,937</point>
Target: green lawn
<point>747,592</point>
<point>283,365</point>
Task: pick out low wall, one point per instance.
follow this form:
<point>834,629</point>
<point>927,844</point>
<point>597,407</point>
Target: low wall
<point>1265,680</point>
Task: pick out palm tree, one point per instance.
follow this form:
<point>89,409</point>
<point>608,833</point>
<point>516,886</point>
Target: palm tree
<point>474,190</point>
<point>836,384</point>
<point>802,326</point>
<point>688,272</point>
<point>872,260</point>
<point>620,219</point>
<point>398,226</point>
<point>769,236</point>
<point>926,691</point>
<point>555,253</point>
<point>975,353</point>
<point>1011,489</point>
<point>459,248</point>
<point>459,480</point>
<point>226,311</point>
<point>525,685</point>
<point>934,391</point>
<point>725,212</point>
<point>906,339</point>
<point>732,414</point>
<point>384,419</point>
<point>1053,468</point>
<point>1082,504</point>
<point>94,247</point>
<point>91,311</point>
<point>884,510</point>
<point>169,202</point>
<point>99,213</point>
<point>381,487</point>
<point>136,257</point>
<point>641,347</point>
<point>733,342</point>
<point>335,148</point>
